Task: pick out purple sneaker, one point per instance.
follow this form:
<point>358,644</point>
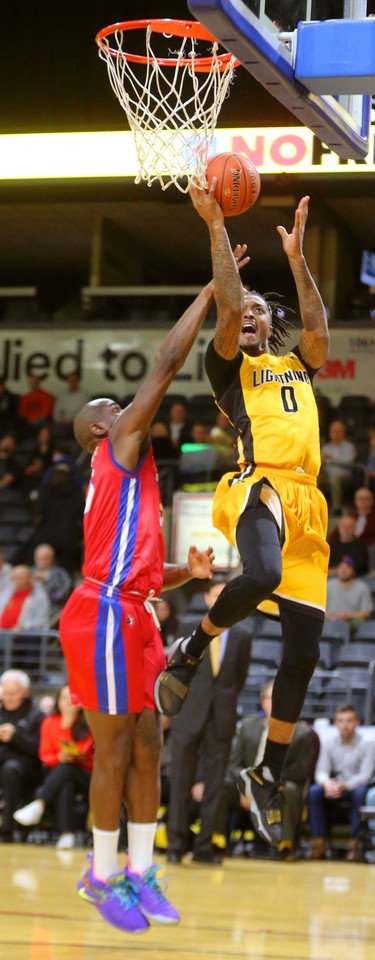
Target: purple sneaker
<point>150,898</point>
<point>115,899</point>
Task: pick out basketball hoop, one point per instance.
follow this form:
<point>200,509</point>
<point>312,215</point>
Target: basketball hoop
<point>172,115</point>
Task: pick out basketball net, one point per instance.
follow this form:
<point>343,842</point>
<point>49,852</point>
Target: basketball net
<point>172,109</point>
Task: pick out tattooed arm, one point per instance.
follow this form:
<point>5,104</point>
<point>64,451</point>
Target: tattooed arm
<point>227,284</point>
<point>314,340</point>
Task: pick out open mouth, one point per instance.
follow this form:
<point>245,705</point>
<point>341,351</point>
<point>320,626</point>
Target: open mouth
<point>249,327</point>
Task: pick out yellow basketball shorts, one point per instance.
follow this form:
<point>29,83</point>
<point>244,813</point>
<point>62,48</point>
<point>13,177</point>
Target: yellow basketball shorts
<point>300,511</point>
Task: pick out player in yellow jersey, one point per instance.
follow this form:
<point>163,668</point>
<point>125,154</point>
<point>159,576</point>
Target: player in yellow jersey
<point>269,508</point>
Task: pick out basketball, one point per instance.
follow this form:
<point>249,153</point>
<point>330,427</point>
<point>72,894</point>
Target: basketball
<point>238,182</point>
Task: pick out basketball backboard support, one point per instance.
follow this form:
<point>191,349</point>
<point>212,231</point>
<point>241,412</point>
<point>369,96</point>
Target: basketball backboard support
<point>269,54</point>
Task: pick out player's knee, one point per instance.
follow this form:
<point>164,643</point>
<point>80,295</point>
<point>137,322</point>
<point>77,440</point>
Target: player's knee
<point>301,662</point>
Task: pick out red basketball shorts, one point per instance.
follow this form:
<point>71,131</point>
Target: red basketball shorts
<point>113,651</point>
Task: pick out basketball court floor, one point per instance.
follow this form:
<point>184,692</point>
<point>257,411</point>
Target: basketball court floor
<point>244,910</point>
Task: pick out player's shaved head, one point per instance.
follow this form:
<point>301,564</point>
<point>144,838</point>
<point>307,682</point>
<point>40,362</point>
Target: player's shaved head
<point>91,413</point>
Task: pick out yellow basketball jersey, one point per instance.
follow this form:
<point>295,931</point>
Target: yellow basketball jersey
<point>272,407</point>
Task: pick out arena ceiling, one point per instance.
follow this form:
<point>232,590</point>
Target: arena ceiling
<point>52,80</point>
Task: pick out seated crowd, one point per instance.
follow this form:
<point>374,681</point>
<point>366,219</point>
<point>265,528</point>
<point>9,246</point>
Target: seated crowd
<point>46,761</point>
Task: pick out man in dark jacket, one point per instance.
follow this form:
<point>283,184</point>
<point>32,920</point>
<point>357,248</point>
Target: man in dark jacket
<point>247,749</point>
<point>203,730</point>
<point>20,722</point>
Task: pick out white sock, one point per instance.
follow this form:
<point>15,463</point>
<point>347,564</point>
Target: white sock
<point>105,852</point>
<point>141,838</point>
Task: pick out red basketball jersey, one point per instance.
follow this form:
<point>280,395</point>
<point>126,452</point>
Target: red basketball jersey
<point>124,544</point>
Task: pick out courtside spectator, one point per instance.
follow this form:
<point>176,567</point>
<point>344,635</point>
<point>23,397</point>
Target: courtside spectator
<point>344,769</point>
<point>66,752</point>
<point>20,722</point>
<point>169,623</point>
<point>247,750</point>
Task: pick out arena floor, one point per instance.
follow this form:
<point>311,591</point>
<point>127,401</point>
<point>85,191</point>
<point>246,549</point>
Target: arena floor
<point>255,910</point>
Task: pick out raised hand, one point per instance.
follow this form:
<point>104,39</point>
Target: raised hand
<point>205,203</point>
<point>239,255</point>
<point>201,563</point>
<point>293,242</point>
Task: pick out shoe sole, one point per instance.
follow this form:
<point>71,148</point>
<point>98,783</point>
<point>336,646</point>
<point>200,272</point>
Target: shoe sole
<point>158,917</point>
<point>86,896</point>
<point>157,686</point>
<point>254,809</point>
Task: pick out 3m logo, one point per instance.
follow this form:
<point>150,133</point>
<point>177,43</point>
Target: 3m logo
<point>338,370</point>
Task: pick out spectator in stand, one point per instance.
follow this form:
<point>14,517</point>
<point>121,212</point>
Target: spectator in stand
<point>36,406</point>
<point>39,459</point>
<point>68,404</point>
<point>8,409</point>
<point>370,465</point>
<point>5,572</point>
<point>178,423</point>
<point>338,455</point>
<point>247,751</point>
<point>364,515</point>
<point>61,454</point>
<point>25,606</point>
<point>199,433</point>
<point>221,436</point>
<point>54,579</point>
<point>46,704</point>
<point>348,544</point>
<point>10,470</point>
<point>168,620</point>
<point>344,769</point>
<point>162,446</point>
<point>66,752</point>
<point>348,597</point>
<point>20,722</point>
<point>204,730</point>
<point>58,517</point>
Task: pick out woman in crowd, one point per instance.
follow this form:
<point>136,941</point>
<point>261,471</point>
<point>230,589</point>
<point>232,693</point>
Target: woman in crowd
<point>66,750</point>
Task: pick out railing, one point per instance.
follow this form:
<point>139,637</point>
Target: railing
<point>38,654</point>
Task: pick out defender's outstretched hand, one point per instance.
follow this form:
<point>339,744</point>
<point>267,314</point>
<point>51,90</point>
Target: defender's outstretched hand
<point>293,242</point>
<point>239,255</point>
<point>201,563</point>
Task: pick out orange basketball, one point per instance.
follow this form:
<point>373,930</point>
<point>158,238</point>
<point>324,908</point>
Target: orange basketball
<point>238,182</point>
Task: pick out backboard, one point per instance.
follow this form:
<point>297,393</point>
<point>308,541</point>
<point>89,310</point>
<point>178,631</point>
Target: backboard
<point>263,35</point>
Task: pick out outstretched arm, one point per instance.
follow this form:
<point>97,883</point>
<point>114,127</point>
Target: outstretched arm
<point>200,565</point>
<point>132,426</point>
<point>227,283</point>
<point>314,340</point>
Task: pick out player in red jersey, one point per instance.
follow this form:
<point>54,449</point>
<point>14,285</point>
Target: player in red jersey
<point>110,636</point>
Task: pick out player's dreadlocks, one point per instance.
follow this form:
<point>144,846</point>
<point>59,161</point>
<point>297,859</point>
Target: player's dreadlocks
<point>280,322</point>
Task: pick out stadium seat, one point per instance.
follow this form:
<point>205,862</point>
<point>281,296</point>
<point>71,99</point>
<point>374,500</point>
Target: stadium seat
<point>336,630</point>
<point>366,631</point>
<point>268,652</point>
<point>268,628</point>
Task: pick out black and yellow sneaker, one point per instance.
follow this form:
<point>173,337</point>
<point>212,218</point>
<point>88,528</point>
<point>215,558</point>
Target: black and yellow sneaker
<point>172,685</point>
<point>266,801</point>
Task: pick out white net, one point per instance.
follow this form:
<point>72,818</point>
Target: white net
<point>172,110</point>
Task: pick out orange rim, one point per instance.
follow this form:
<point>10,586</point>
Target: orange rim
<point>174,28</point>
